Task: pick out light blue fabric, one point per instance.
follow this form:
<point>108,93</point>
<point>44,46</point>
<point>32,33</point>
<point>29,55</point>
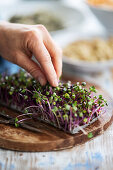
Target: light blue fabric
<point>7,66</point>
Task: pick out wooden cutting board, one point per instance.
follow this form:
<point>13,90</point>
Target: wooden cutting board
<point>50,138</point>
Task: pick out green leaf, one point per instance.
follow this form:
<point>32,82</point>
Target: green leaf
<point>73,95</point>
<point>16,124</point>
<point>58,88</point>
<point>80,114</point>
<point>54,94</point>
<point>25,97</point>
<point>65,117</point>
<point>74,104</point>
<point>92,88</point>
<point>83,83</point>
<point>11,92</point>
<point>47,93</point>
<point>25,111</point>
<point>23,91</point>
<point>74,108</point>
<point>55,109</point>
<point>75,114</point>
<point>90,135</point>
<point>67,107</point>
<point>54,103</point>
<point>56,99</point>
<point>85,120</point>
<point>67,95</point>
<point>100,96</point>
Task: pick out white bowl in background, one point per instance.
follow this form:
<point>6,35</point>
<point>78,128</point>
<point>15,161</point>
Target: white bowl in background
<point>82,66</point>
<point>104,14</point>
<point>71,17</point>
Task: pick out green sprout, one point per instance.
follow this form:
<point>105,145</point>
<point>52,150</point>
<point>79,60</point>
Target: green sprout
<point>90,135</point>
<point>65,117</point>
<point>25,97</point>
<point>67,107</point>
<point>92,89</point>
<point>85,120</point>
<point>23,91</point>
<point>80,114</point>
<point>71,102</point>
<point>83,83</point>
<point>55,109</point>
<point>47,93</point>
<point>16,124</point>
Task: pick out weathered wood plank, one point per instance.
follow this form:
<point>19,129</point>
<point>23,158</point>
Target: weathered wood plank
<point>95,154</point>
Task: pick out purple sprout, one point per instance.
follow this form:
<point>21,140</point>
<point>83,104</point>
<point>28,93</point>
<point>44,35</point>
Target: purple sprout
<point>66,107</point>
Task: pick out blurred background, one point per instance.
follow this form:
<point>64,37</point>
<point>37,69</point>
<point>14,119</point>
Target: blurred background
<point>83,28</point>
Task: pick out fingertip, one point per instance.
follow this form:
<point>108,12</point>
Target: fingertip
<point>55,83</point>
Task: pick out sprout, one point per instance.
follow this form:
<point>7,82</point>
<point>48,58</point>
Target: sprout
<point>83,83</point>
<point>80,114</point>
<point>69,90</point>
<point>67,95</point>
<point>92,89</point>
<point>47,93</point>
<point>10,92</point>
<point>73,95</point>
<point>100,96</point>
<point>56,99</point>
<point>75,114</point>
<point>54,94</point>
<point>85,120</point>
<point>16,122</point>
<point>74,108</point>
<point>25,111</point>
<point>58,88</point>
<point>65,106</point>
<point>54,103</point>
<point>90,135</point>
<point>55,109</point>
<point>90,102</point>
<point>23,91</point>
<point>65,117</point>
<point>25,97</point>
<point>64,89</point>
<point>46,102</point>
<point>74,104</point>
<point>60,107</point>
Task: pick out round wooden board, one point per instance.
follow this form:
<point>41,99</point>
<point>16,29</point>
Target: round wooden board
<point>51,138</point>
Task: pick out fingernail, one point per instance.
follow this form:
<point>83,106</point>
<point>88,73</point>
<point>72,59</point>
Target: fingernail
<point>42,81</point>
<point>55,82</point>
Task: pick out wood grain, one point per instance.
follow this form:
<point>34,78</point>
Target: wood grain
<point>51,138</point>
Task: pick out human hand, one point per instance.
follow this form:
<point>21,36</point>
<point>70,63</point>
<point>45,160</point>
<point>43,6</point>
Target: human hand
<point>18,43</point>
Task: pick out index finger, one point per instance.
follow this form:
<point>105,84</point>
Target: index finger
<point>43,57</point>
<point>54,51</point>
